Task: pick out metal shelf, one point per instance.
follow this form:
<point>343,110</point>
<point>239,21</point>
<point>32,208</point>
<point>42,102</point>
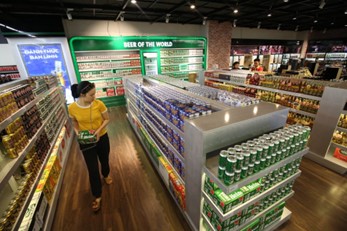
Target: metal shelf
<point>23,109</point>
<point>339,146</point>
<point>211,169</point>
<point>180,56</point>
<point>207,221</point>
<point>303,113</point>
<point>242,206</point>
<point>111,68</point>
<point>227,81</point>
<point>170,72</point>
<point>11,166</point>
<point>341,129</point>
<point>104,78</point>
<point>177,64</point>
<point>336,161</point>
<point>285,217</point>
<point>29,198</point>
<point>100,60</point>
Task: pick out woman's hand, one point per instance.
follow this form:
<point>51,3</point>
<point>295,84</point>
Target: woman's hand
<point>96,134</point>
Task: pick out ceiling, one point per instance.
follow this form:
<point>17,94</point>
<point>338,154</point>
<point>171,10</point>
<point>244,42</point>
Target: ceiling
<point>45,15</point>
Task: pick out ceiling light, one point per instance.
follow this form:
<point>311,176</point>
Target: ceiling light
<point>167,18</point>
<point>285,0</point>
<point>133,1</point>
<point>297,28</point>
<point>279,26</point>
<point>294,18</point>
<point>68,13</point>
<point>236,11</point>
<point>234,23</point>
<point>315,21</point>
<point>204,21</point>
<point>346,12</point>
<point>259,25</point>
<point>332,23</point>
<point>346,25</point>
<point>322,4</point>
<point>269,14</point>
<point>192,4</point>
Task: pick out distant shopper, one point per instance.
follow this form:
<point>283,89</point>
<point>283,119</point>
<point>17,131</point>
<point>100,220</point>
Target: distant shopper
<point>236,66</point>
<point>256,65</point>
<point>90,115</point>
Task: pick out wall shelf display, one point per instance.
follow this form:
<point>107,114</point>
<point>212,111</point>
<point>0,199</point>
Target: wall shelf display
<point>124,56</point>
<point>8,73</point>
<point>35,129</point>
<point>154,118</point>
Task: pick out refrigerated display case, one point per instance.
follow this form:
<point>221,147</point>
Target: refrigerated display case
<point>185,152</point>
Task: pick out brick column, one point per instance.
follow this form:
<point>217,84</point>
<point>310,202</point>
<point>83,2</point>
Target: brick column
<point>219,43</point>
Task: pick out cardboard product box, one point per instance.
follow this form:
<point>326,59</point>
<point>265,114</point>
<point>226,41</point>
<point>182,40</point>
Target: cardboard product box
<point>236,198</point>
<point>235,217</point>
<point>246,193</point>
<point>223,201</point>
<point>254,189</point>
<point>252,226</point>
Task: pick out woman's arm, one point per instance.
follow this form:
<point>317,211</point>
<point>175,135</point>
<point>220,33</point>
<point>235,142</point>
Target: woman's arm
<point>75,126</point>
<point>106,118</point>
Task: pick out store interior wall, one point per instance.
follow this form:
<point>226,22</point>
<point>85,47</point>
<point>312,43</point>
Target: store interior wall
<point>219,37</point>
<point>329,34</point>
<point>6,55</point>
<point>118,28</point>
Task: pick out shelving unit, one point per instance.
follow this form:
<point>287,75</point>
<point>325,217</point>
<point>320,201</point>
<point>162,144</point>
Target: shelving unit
<point>202,136</point>
<point>11,166</point>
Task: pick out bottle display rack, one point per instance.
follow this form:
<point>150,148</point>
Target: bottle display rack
<point>208,134</point>
<point>23,164</point>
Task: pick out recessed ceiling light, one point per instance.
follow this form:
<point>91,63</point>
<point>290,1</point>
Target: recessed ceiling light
<point>133,1</point>
<point>285,0</point>
<point>269,14</point>
<point>192,6</point>
<point>294,18</point>
<point>346,12</point>
<point>236,11</point>
<point>315,21</point>
<point>332,23</point>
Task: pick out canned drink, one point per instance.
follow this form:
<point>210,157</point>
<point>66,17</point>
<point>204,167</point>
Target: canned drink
<point>251,144</point>
<point>282,143</point>
<point>253,157</point>
<point>231,151</point>
<point>228,178</point>
<point>262,163</point>
<point>231,164</point>
<point>244,172</point>
<point>265,151</point>
<point>273,158</point>
<point>256,166</point>
<point>245,147</point>
<point>223,155</point>
<point>268,161</point>
<point>279,156</point>
<point>259,149</point>
<point>307,131</point>
<point>221,171</point>
<point>296,137</point>
<point>238,148</point>
<point>246,158</point>
<point>240,161</point>
<point>297,147</point>
<point>280,176</point>
<point>271,148</point>
<point>305,143</point>
<point>292,149</point>
<point>276,145</point>
<point>237,175</point>
<point>250,169</point>
<point>285,173</point>
<point>267,184</point>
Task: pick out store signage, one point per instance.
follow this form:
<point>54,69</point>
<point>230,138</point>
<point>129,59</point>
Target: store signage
<point>119,43</point>
<point>45,59</point>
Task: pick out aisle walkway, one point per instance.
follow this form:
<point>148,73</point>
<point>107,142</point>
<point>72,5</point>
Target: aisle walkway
<point>138,200</point>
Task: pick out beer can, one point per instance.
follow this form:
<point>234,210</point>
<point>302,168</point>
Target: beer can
<point>244,172</point>
<point>246,158</point>
<point>240,161</point>
<point>271,148</point>
<point>221,171</point>
<point>237,175</point>
<point>251,143</point>
<point>250,169</point>
<point>268,161</point>
<point>292,149</point>
<point>279,156</point>
<point>231,151</point>
<point>228,178</point>
<point>231,164</point>
<point>262,163</point>
<point>297,147</point>
<point>259,149</point>
<point>223,158</point>
<point>254,154</point>
<point>238,148</point>
<point>273,158</point>
<point>265,151</point>
<point>256,166</point>
<point>276,143</point>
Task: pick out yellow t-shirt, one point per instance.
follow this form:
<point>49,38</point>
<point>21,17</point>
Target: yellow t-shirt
<point>90,117</point>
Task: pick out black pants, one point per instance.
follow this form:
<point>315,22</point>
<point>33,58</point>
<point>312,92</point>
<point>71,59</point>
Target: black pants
<point>92,153</point>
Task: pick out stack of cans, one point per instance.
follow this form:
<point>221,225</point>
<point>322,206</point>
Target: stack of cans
<point>240,161</point>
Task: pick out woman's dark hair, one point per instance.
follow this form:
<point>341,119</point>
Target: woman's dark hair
<point>235,63</point>
<point>81,88</point>
<point>256,60</point>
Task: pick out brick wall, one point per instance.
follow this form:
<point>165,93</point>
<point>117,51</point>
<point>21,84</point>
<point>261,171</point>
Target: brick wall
<point>219,43</point>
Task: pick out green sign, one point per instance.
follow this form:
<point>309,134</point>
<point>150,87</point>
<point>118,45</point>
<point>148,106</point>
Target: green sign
<point>123,43</point>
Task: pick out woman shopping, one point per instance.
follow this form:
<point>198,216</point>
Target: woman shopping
<point>91,116</point>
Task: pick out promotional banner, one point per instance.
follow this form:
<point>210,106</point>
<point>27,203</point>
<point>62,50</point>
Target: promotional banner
<point>45,59</point>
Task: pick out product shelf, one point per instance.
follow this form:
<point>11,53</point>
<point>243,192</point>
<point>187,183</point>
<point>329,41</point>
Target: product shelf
<point>29,198</point>
<point>339,146</point>
<point>52,208</point>
<point>107,97</point>
<point>23,109</point>
<point>165,142</point>
<point>110,60</point>
<point>11,166</point>
<point>156,167</point>
<point>177,64</point>
<point>262,213</point>
<point>180,56</point>
<point>336,161</point>
<point>303,112</point>
<point>249,202</point>
<point>285,217</point>
<point>104,51</point>
<point>115,85</point>
<point>106,69</point>
<point>163,139</point>
<point>207,221</point>
<point>269,89</point>
<point>103,78</point>
<point>211,169</point>
<point>341,129</point>
<point>170,72</point>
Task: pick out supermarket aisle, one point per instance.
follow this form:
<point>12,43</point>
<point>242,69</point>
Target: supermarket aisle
<point>139,201</point>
